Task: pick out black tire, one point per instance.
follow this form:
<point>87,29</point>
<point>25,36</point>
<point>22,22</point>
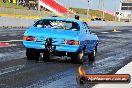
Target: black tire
<point>81,80</point>
<point>78,57</point>
<point>46,56</point>
<point>32,54</point>
<point>92,55</point>
<point>96,48</point>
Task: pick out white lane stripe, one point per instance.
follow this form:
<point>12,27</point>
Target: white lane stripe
<point>11,69</point>
<point>105,32</point>
<point>3,35</point>
<point>130,30</point>
<point>13,34</point>
<point>12,41</point>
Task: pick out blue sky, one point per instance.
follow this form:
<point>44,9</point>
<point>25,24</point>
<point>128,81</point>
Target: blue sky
<point>110,5</point>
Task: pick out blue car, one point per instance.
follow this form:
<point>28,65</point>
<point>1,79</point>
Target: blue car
<point>60,37</point>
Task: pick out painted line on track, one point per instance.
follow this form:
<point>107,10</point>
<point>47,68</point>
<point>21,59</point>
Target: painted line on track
<point>6,44</point>
<point>3,35</point>
<point>130,30</point>
<point>104,32</point>
<point>11,41</point>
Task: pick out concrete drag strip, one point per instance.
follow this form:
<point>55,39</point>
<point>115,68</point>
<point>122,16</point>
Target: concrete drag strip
<point>52,81</point>
<point>113,58</point>
<point>125,70</point>
<point>63,83</point>
<point>67,82</point>
<point>12,55</point>
<point>11,69</point>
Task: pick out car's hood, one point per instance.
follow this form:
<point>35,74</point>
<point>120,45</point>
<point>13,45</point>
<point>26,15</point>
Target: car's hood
<point>52,33</point>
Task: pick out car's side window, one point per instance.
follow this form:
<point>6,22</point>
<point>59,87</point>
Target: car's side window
<point>86,27</point>
<point>38,23</point>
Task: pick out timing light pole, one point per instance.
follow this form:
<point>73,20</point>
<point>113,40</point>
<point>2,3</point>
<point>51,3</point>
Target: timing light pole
<point>38,5</point>
<point>68,7</point>
<point>119,18</point>
<point>88,9</point>
<point>101,7</point>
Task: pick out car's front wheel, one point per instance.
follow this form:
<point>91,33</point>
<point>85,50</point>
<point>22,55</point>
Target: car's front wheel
<point>32,54</point>
<point>78,57</point>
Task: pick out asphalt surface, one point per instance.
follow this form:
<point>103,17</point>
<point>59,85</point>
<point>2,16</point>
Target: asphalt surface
<point>114,52</point>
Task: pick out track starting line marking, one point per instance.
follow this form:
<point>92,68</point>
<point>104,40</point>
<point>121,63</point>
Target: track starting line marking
<point>6,44</point>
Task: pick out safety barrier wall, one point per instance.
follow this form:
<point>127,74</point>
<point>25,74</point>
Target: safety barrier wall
<point>26,22</point>
<point>109,23</point>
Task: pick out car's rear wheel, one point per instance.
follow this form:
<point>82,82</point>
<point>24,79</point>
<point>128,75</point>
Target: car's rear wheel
<point>32,54</point>
<point>78,57</point>
<point>92,55</point>
<point>46,56</point>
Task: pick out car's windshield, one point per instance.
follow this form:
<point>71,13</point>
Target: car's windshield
<point>57,24</point>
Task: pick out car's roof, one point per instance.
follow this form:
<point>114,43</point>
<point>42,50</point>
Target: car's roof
<point>60,18</point>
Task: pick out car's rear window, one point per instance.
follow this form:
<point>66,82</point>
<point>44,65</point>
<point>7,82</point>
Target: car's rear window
<point>57,24</point>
